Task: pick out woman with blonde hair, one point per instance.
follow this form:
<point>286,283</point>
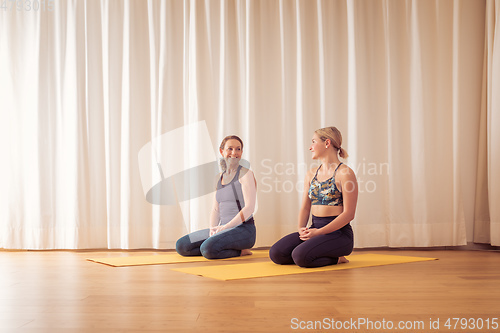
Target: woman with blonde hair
<point>330,194</point>
<point>232,229</point>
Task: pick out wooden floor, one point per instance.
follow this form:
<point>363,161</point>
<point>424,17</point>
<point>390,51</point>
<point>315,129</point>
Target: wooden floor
<point>59,291</point>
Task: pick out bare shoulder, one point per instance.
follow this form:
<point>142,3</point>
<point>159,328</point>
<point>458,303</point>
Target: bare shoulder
<point>345,172</point>
<point>247,178</point>
<point>246,173</point>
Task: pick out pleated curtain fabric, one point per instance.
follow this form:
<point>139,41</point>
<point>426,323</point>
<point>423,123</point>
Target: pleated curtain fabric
<point>410,84</point>
<point>487,210</point>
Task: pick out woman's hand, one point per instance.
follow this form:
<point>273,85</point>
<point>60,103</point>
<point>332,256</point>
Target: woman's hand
<point>308,233</point>
<point>214,230</point>
<point>219,228</point>
<point>302,231</point>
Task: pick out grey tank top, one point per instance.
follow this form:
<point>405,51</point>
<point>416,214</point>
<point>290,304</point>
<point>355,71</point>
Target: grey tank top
<point>225,196</point>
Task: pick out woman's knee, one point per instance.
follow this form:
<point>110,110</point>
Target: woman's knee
<point>278,256</point>
<point>207,249</point>
<point>182,246</point>
<point>299,257</point>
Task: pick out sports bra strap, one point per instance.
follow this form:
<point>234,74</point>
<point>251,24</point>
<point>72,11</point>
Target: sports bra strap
<point>336,169</point>
<point>317,171</point>
<point>334,173</point>
<point>237,175</point>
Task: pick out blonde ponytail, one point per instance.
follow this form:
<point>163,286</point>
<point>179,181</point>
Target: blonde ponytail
<point>343,153</point>
<point>333,134</point>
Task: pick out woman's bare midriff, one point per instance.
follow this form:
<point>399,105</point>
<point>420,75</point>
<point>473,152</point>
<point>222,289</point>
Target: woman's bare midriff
<point>323,210</point>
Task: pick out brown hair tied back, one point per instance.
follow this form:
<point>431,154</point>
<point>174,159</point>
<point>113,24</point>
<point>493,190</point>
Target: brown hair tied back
<point>230,137</point>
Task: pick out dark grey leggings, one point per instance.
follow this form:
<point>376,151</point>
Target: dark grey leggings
<point>318,251</point>
<point>225,244</point>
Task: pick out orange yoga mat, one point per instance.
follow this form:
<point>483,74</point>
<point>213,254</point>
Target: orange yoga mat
<point>168,258</point>
<point>268,268</point>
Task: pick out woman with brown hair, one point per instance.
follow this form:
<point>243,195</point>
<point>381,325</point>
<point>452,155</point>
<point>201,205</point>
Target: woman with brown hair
<point>232,229</point>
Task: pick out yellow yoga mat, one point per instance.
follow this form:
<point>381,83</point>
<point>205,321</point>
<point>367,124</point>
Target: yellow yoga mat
<point>268,268</point>
<point>168,258</point>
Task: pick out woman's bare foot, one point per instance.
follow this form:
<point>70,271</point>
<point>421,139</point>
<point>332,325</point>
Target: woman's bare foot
<point>342,260</point>
<point>245,252</point>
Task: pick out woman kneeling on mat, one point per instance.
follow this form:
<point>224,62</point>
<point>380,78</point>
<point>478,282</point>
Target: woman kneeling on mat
<point>330,194</point>
<point>232,229</point>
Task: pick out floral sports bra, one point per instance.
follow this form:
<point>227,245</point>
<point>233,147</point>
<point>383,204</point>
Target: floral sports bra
<point>325,193</point>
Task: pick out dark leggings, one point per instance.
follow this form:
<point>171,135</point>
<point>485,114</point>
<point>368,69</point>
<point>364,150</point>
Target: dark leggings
<point>224,244</point>
<point>318,251</point>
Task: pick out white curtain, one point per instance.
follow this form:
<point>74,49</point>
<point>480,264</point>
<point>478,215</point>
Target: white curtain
<point>487,210</point>
<point>85,87</point>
